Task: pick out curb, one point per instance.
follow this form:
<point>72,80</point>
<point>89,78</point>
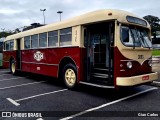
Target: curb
<point>156,57</point>
<point>156,83</point>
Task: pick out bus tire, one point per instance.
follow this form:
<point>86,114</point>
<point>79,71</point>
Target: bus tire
<point>13,67</point>
<point>69,76</point>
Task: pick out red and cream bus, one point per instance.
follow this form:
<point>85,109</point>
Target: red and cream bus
<point>105,48</point>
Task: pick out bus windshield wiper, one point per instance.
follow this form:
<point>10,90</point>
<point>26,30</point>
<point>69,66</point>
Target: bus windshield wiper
<point>133,39</point>
<point>144,41</point>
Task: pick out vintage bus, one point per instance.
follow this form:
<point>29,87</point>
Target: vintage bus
<point>1,51</point>
<point>104,48</point>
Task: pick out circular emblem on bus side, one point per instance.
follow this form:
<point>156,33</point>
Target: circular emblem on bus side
<point>38,56</point>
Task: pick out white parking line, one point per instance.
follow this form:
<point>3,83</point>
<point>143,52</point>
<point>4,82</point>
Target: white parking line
<point>40,119</point>
<point>40,95</point>
<point>156,82</point>
<point>11,79</point>
<point>15,102</point>
<point>3,74</point>
<point>107,104</point>
<point>22,85</point>
<point>4,71</point>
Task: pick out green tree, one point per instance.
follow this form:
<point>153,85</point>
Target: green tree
<point>154,22</point>
<point>5,34</point>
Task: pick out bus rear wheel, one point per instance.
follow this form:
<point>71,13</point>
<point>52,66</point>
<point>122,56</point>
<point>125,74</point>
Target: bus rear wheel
<point>70,76</point>
<point>13,67</point>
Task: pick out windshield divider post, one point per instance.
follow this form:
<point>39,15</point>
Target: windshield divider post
<point>133,39</point>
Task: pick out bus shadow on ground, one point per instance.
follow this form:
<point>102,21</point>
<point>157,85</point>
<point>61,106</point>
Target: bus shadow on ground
<point>111,94</point>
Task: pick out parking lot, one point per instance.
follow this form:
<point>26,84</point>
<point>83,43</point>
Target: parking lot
<point>26,93</point>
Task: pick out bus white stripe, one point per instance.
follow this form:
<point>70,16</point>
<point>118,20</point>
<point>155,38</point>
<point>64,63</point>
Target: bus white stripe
<point>107,104</point>
<point>40,63</point>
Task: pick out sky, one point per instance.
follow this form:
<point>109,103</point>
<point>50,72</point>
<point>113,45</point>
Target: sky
<point>18,13</point>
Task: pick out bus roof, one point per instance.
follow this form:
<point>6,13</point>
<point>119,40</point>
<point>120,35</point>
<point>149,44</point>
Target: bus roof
<point>91,17</point>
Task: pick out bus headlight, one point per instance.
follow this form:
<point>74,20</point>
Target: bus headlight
<point>129,65</point>
<point>150,63</point>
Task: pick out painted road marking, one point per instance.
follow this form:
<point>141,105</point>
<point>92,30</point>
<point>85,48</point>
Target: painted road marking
<point>107,104</point>
<point>40,119</point>
<point>40,95</point>
<point>11,79</point>
<point>156,82</point>
<point>22,85</point>
<point>4,71</point>
<point>17,104</point>
<point>13,102</point>
<point>3,74</point>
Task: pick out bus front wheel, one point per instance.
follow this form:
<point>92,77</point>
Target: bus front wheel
<point>13,67</point>
<point>70,76</point>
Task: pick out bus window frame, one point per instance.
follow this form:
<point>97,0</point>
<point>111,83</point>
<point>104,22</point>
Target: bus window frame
<point>63,34</point>
<point>9,42</point>
<point>46,40</point>
<point>57,35</point>
<point>135,26</point>
<point>4,46</point>
<point>35,39</point>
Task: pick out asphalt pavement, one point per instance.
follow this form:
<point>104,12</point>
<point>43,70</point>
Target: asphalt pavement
<point>35,97</point>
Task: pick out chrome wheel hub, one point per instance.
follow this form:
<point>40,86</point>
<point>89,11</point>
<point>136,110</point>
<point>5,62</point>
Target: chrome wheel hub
<point>70,77</point>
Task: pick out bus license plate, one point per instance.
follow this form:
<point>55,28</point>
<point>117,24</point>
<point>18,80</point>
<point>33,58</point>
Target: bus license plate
<point>145,77</point>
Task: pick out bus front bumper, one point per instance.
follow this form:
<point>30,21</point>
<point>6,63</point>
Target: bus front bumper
<point>136,80</point>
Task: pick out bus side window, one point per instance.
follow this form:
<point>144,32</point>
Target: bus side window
<point>7,45</point>
<point>125,35</point>
<point>66,36</point>
<point>53,38</point>
<point>27,42</point>
<point>11,45</point>
<point>43,40</point>
<point>34,41</point>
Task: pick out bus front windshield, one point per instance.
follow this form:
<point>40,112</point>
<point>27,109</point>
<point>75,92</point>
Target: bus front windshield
<point>135,37</point>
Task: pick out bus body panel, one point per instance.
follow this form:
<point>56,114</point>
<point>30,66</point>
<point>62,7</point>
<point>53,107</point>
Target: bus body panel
<point>135,80</point>
<point>49,63</point>
<point>7,55</point>
<point>138,70</point>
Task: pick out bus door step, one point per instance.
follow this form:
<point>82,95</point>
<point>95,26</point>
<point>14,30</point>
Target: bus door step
<point>100,70</point>
<point>99,75</point>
